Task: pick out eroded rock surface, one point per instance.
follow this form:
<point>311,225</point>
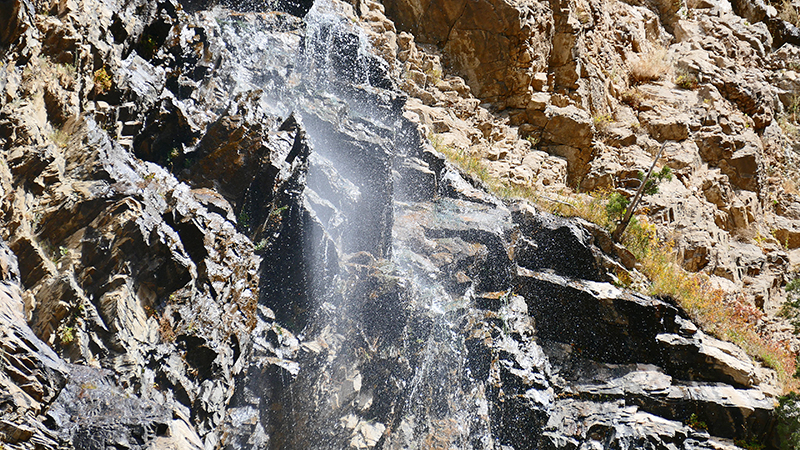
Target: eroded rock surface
<point>228,228</point>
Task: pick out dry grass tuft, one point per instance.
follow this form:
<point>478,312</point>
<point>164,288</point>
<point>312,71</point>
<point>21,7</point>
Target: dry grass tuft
<point>788,12</point>
<point>633,97</point>
<point>649,67</point>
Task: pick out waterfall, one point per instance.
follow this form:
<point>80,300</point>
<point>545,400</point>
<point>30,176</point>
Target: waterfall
<point>405,348</point>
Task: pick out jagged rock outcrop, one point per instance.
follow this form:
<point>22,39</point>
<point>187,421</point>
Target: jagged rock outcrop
<point>712,81</point>
<point>226,228</point>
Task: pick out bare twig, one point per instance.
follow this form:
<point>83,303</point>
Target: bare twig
<point>629,212</point>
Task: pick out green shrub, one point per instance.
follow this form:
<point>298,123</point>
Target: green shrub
<point>787,416</point>
<point>616,206</point>
<point>102,81</point>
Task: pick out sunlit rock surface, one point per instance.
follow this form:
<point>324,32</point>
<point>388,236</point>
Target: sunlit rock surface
<point>224,226</point>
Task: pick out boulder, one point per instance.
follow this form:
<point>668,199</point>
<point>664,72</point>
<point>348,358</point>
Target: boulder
<point>543,240</point>
<point>603,334</point>
<point>701,357</point>
<point>568,126</point>
<point>665,126</point>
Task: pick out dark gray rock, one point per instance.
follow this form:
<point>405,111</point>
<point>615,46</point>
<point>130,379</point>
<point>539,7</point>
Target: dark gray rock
<point>596,317</point>
<point>17,17</point>
<point>91,412</point>
<point>553,243</point>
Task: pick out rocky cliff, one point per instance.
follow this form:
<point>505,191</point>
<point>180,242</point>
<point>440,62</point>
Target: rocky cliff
<point>232,226</point>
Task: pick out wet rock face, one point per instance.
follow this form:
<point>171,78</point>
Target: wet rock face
<point>226,230</point>
<point>91,412</point>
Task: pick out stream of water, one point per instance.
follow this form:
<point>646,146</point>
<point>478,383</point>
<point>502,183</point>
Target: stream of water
<point>336,87</point>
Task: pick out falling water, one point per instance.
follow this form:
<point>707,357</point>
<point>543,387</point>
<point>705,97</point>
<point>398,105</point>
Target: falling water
<point>446,408</point>
<point>333,83</point>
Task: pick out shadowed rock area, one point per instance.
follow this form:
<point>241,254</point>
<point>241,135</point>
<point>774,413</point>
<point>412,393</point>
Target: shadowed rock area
<point>230,226</point>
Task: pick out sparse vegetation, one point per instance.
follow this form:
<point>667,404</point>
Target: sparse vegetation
<point>791,309</point>
<point>243,219</point>
<point>648,185</point>
<point>435,73</point>
<point>468,162</point>
<point>751,444</point>
<point>616,206</point>
<point>686,80</point>
<point>602,122</point>
<point>788,421</point>
<point>787,12</point>
<point>149,45</point>
<point>788,120</point>
<point>650,66</point>
<point>724,317</point>
<point>67,70</point>
<point>533,140</point>
<point>633,97</point>
<point>66,335</point>
<point>651,186</point>
<point>102,81</point>
<point>696,423</point>
<point>173,154</point>
<point>60,137</point>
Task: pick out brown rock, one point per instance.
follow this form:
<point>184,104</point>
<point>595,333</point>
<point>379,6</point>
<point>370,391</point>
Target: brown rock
<point>17,17</point>
<point>787,232</point>
<point>497,45</point>
<point>568,126</point>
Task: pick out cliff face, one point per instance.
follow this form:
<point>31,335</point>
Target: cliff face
<point>602,85</point>
<point>228,227</point>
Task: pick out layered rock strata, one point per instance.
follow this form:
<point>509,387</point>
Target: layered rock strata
<point>227,229</point>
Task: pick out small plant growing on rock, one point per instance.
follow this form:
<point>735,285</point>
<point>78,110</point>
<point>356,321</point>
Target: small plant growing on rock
<point>602,122</point>
<point>243,219</point>
<point>533,140</point>
<point>632,97</point>
<point>695,423</point>
<point>470,164</point>
<point>102,81</point>
<point>262,244</point>
<point>651,185</point>
<point>150,45</point>
<point>751,444</point>
<point>615,208</point>
<point>174,153</point>
<point>60,138</point>
<point>67,335</point>
<point>686,80</point>
<point>435,73</point>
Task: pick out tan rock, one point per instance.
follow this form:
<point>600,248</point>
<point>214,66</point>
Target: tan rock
<point>568,126</point>
<point>498,46</point>
<point>787,232</point>
<point>666,125</point>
